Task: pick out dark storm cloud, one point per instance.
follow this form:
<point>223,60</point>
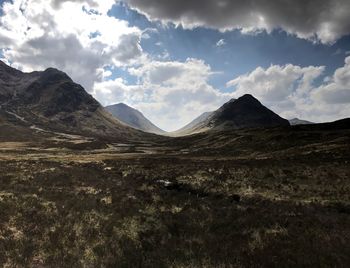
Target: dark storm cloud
<point>324,20</point>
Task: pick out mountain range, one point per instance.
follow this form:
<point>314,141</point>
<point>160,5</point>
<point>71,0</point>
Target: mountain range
<point>50,100</point>
<point>245,112</point>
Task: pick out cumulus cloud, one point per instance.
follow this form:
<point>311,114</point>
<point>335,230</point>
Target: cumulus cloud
<point>292,91</point>
<point>276,83</point>
<point>337,90</point>
<point>77,37</point>
<point>170,93</point>
<point>323,20</point>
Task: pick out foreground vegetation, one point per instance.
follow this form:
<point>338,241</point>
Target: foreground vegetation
<point>64,207</point>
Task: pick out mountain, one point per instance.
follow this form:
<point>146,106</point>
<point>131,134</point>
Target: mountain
<point>133,118</point>
<point>52,101</point>
<point>190,126</point>
<point>245,112</point>
<point>297,121</point>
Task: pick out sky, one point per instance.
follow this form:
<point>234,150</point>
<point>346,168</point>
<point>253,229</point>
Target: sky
<point>174,60</point>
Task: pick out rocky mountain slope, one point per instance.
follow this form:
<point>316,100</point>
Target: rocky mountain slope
<point>245,112</point>
<point>133,118</point>
<point>50,100</point>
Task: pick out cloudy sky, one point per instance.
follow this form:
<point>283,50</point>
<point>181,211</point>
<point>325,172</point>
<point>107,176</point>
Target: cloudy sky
<point>176,59</point>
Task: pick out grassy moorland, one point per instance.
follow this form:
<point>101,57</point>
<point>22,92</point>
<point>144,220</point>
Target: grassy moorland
<point>253,198</point>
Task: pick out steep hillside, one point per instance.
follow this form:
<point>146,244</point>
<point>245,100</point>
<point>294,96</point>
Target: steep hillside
<point>52,101</point>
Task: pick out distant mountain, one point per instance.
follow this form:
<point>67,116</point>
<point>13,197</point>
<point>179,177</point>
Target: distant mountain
<point>334,125</point>
<point>133,118</point>
<point>51,100</point>
<point>193,124</point>
<point>297,121</point>
<point>245,112</point>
